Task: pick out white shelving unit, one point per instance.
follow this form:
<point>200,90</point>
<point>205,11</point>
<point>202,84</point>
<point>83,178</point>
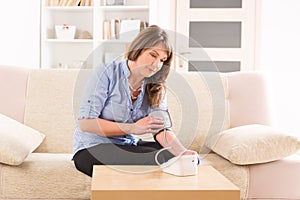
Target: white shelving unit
<point>56,53</point>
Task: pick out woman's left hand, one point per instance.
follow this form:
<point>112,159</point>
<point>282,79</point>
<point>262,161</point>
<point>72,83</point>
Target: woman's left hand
<point>189,152</point>
<point>147,125</point>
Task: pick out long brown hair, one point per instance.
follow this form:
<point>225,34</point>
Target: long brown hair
<point>149,38</point>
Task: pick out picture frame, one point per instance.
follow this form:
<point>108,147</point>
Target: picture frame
<point>114,2</point>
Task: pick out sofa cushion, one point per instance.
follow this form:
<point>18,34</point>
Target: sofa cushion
<point>275,180</point>
<point>254,143</point>
<point>13,85</point>
<point>249,98</point>
<point>49,108</point>
<point>203,113</point>
<point>44,176</point>
<point>17,140</point>
<point>237,174</point>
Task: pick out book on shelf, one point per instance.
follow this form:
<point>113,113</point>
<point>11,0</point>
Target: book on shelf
<point>52,2</point>
<point>73,3</point>
<point>115,28</point>
<point>69,2</point>
<point>106,30</point>
<point>82,3</point>
<point>63,2</point>
<point>143,25</point>
<point>86,3</point>
<point>111,29</point>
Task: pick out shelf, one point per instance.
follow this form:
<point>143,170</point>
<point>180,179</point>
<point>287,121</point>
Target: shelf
<point>70,8</point>
<point>123,8</point>
<point>69,41</point>
<point>114,41</point>
<point>85,18</point>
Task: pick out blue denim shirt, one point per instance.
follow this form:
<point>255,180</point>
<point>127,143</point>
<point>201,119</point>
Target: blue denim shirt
<point>107,96</point>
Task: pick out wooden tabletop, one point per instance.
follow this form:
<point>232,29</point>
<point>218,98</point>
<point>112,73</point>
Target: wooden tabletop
<point>113,182</point>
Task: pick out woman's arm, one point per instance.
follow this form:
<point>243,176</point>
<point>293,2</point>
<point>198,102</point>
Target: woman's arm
<point>109,128</point>
<point>104,127</point>
<point>168,139</point>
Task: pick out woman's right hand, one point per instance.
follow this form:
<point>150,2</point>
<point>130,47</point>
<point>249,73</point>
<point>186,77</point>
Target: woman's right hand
<point>147,124</point>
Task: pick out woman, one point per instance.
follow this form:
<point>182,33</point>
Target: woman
<point>116,105</point>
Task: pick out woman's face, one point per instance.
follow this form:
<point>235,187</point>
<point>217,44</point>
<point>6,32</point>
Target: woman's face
<point>151,60</point>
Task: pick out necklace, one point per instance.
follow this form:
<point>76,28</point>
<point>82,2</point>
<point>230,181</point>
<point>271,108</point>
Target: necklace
<point>132,89</point>
<point>134,93</point>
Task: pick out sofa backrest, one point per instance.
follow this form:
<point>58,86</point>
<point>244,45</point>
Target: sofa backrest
<point>249,99</point>
<point>13,85</point>
<point>203,104</point>
<point>199,103</point>
<point>49,107</point>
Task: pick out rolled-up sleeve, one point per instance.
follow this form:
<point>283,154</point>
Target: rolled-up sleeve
<point>163,106</point>
<point>95,94</point>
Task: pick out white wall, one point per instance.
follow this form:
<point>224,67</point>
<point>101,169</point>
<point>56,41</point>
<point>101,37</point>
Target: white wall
<point>162,13</point>
<point>279,57</point>
<point>20,33</point>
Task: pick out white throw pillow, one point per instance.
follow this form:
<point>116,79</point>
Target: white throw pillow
<point>17,141</point>
<point>251,144</point>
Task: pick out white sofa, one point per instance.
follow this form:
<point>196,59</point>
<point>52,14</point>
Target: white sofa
<point>43,100</point>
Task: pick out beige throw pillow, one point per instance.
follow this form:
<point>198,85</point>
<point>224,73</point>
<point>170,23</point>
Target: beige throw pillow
<point>17,141</point>
<point>251,144</point>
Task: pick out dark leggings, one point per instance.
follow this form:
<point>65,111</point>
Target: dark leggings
<point>112,154</point>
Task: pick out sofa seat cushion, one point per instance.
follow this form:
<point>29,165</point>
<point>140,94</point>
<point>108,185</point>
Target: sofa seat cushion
<point>237,174</point>
<point>276,180</point>
<point>45,176</point>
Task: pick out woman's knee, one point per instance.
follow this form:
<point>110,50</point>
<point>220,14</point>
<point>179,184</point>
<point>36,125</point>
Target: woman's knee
<point>83,162</point>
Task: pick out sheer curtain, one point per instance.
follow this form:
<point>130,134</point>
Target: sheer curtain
<point>20,33</point>
<point>279,57</point>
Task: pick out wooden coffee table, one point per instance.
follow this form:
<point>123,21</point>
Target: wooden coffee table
<point>117,183</point>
